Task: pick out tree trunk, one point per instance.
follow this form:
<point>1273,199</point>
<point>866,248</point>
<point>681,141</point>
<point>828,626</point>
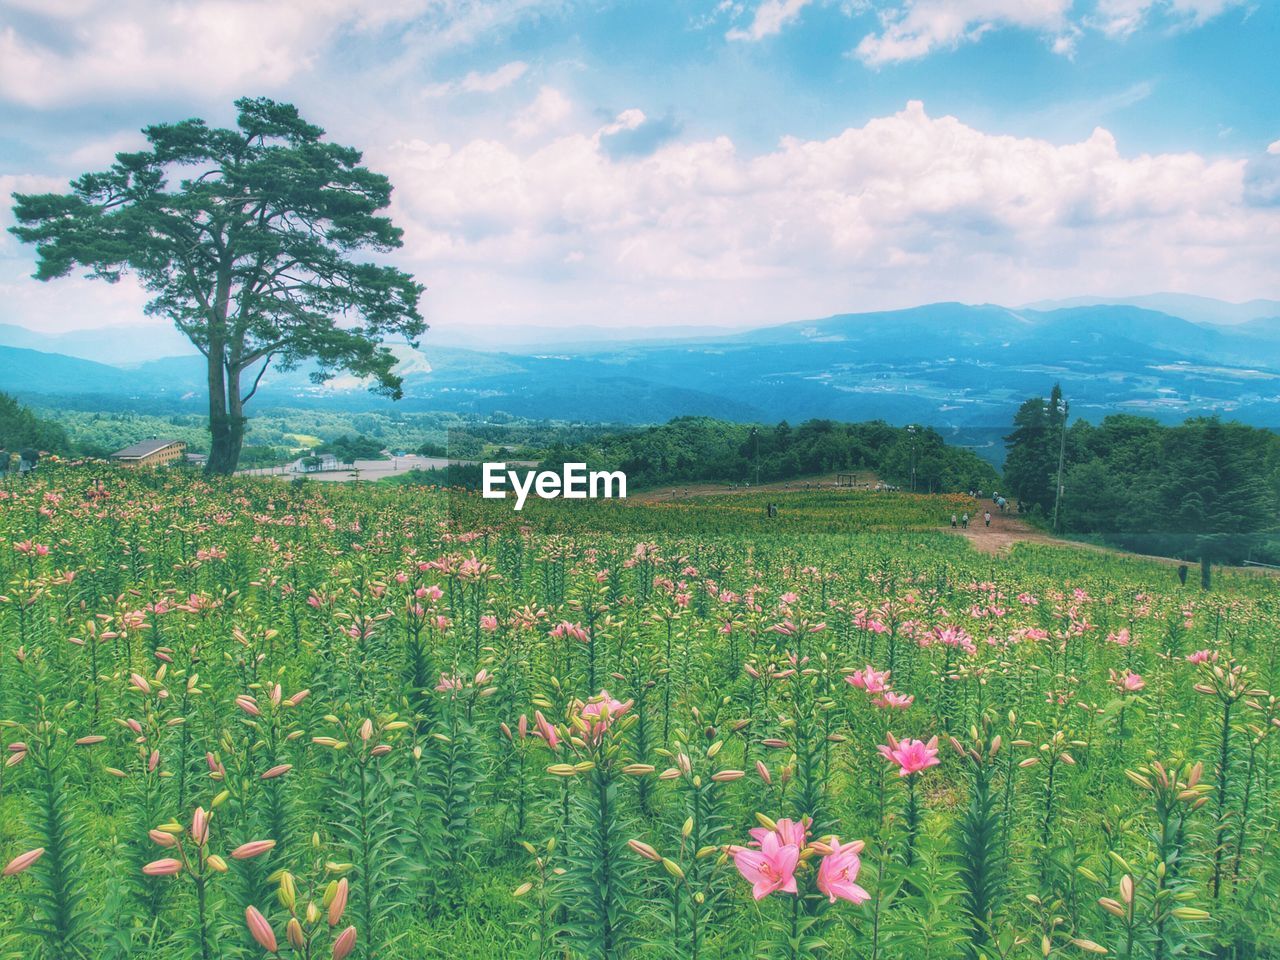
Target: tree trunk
<point>226,420</point>
<point>1206,571</point>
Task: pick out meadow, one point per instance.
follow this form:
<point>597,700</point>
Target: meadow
<point>250,718</point>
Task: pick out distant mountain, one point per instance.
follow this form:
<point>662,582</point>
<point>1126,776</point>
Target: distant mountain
<point>1184,305</point>
<point>123,345</point>
<point>961,368</point>
<point>34,371</point>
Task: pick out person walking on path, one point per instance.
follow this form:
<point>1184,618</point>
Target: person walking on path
<point>954,521</point>
<point>987,517</point>
<point>965,521</point>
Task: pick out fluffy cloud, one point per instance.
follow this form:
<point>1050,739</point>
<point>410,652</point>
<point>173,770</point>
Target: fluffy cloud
<point>546,114</point>
<point>1122,17</point>
<point>558,226</point>
<point>73,50</point>
<point>477,82</point>
<point>910,29</point>
<point>905,209</point>
<point>769,19</point>
<point>914,28</point>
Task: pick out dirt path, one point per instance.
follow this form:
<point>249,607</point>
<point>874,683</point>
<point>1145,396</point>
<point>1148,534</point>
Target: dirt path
<point>1005,531</point>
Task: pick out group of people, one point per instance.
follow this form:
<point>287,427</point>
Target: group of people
<point>963,521</point>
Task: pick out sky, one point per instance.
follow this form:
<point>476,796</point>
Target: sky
<point>704,162</point>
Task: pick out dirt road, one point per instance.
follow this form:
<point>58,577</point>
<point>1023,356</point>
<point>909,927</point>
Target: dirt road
<point>1005,531</point>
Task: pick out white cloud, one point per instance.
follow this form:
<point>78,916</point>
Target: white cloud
<point>1123,17</point>
<point>907,208</point>
<point>1274,148</point>
<point>546,114</point>
<point>504,76</point>
<point>213,48</point>
<point>769,19</point>
<point>911,29</point>
<point>477,82</point>
<point>630,119</point>
<point>914,28</point>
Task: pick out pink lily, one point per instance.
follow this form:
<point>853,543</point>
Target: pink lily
<point>772,867</point>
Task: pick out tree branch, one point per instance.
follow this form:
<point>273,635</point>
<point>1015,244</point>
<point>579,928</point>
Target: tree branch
<point>257,380</point>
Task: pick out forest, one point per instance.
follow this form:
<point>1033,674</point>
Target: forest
<point>1206,488</point>
<point>692,449</point>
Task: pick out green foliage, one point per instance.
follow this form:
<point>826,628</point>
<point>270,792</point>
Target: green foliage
<point>248,252</point>
<point>21,429</point>
<point>693,449</point>
<point>349,449</point>
<point>1203,488</point>
<point>343,670</point>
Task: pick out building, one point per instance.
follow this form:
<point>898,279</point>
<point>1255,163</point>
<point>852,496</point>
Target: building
<point>315,463</point>
<point>151,453</point>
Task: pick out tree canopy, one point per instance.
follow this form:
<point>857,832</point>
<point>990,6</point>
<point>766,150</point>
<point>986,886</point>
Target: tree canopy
<point>246,240</point>
<point>692,449</point>
<point>1203,488</point>
<point>21,429</point>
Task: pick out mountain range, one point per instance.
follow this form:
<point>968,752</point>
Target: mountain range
<point>960,367</point>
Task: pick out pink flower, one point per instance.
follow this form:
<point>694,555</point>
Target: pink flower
<point>772,867</point>
<point>254,848</point>
<point>488,623</point>
<point>911,756</point>
<point>260,930</point>
<point>787,832</point>
<point>163,868</point>
<point>22,861</point>
<point>1120,638</point>
<point>1202,656</point>
<point>449,684</point>
<point>200,827</point>
<point>571,630</point>
<point>955,637</point>
<point>339,903</point>
<point>894,701</point>
<point>1128,681</point>
<point>838,870</point>
<point>345,943</point>
<point>870,679</point>
<point>545,730</point>
<point>600,712</point>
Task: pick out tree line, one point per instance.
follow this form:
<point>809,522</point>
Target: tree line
<point>1203,489</point>
<point>702,449</point>
<point>21,429</point>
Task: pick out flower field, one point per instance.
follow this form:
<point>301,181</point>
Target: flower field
<point>255,719</point>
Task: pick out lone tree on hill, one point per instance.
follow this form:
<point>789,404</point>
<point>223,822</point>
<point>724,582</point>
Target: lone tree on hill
<point>249,253</point>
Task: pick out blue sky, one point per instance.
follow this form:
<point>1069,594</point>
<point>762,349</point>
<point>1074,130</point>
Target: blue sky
<point>705,162</point>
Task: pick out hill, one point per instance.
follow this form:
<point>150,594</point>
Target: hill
<point>962,368</point>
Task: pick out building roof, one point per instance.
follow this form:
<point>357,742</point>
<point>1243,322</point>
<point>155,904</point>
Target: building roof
<point>144,448</point>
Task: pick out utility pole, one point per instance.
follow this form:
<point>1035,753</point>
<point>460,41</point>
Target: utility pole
<point>755,435</point>
<point>911,429</point>
<point>1062,452</point>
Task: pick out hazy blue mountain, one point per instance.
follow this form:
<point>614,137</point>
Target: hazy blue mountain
<point>1184,305</point>
<point>131,344</point>
<point>35,371</point>
<point>962,368</point>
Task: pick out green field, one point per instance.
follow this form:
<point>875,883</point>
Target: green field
<point>454,784</point>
